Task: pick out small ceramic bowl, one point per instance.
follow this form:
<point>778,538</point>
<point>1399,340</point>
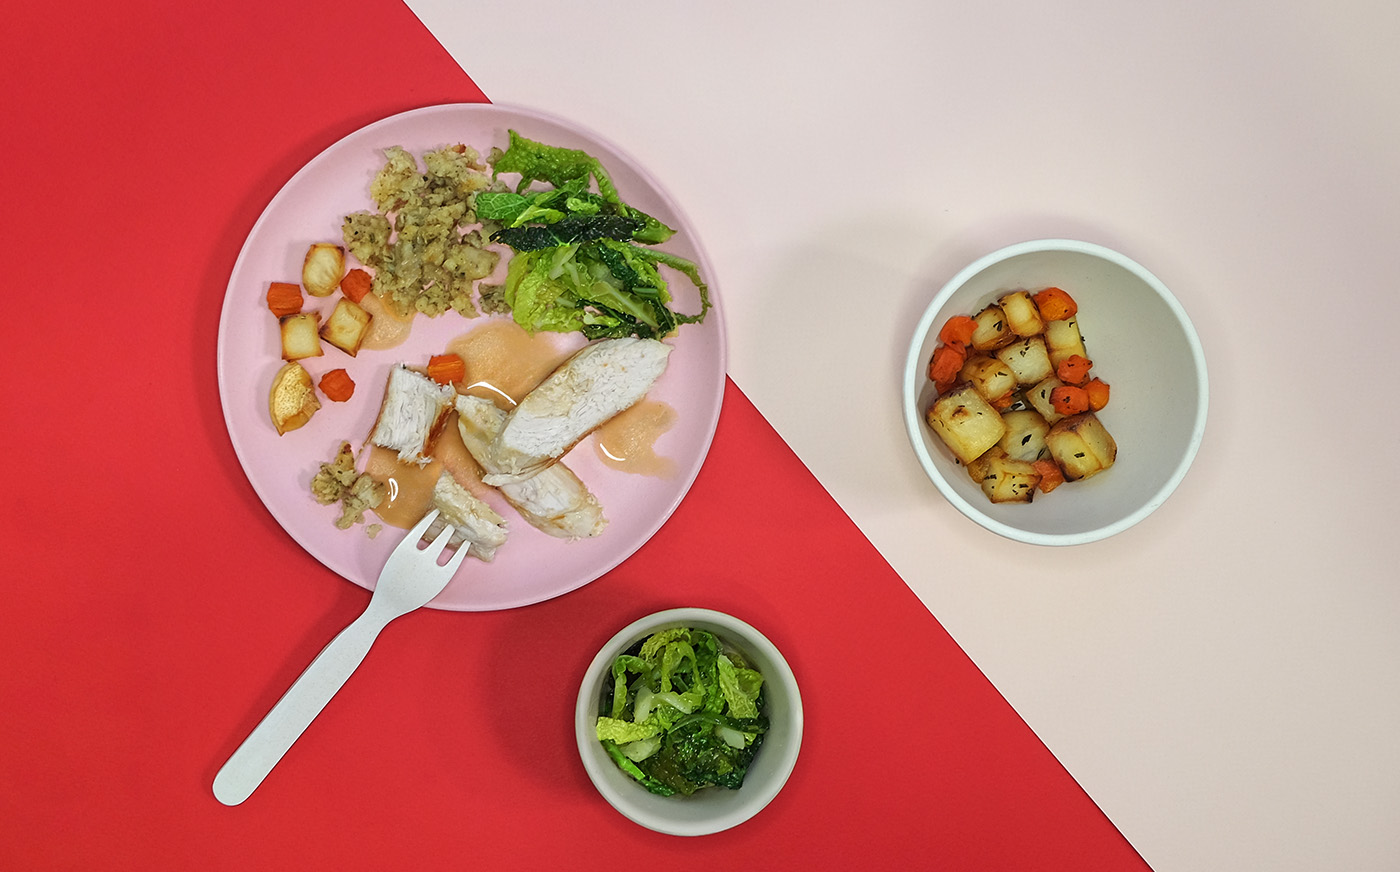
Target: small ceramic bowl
<point>1141,343</point>
<point>709,810</point>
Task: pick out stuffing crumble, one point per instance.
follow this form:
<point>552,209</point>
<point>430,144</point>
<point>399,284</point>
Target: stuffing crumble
<point>338,482</point>
<point>425,245</point>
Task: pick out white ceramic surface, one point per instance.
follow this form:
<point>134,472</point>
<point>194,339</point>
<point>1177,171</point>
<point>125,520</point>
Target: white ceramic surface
<point>1142,344</point>
<point>531,566</point>
<point>711,810</point>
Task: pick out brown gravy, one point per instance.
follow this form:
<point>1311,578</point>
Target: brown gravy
<point>411,486</point>
<point>386,329</point>
<point>504,362</point>
<point>628,441</point>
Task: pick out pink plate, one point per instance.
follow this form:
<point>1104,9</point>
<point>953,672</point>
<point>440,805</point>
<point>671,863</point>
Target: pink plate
<point>531,566</point>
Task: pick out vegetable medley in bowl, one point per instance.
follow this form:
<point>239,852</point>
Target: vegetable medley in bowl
<point>689,721</point>
<point>1006,392</point>
<point>1018,400</point>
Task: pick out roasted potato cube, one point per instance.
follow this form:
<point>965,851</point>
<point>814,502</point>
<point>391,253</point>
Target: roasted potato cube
<point>346,327</point>
<point>1081,445</point>
<point>979,468</point>
<point>292,400</point>
<point>1039,399</point>
<point>1062,338</point>
<point>989,376</point>
<point>966,422</point>
<point>1028,360</point>
<point>1022,315</point>
<point>299,337</point>
<point>1024,438</point>
<point>1010,481</point>
<point>992,332</point>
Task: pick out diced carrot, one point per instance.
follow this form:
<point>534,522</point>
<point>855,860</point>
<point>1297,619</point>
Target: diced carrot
<point>1051,476</point>
<point>284,298</point>
<point>337,385</point>
<point>1074,370</point>
<point>446,368</point>
<point>1097,391</point>
<point>957,331</point>
<point>1003,403</point>
<point>355,284</point>
<point>1069,400</point>
<point>946,363</point>
<point>1055,304</point>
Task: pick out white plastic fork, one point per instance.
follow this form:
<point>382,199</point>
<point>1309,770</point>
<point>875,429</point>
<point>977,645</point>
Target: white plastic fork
<point>411,577</point>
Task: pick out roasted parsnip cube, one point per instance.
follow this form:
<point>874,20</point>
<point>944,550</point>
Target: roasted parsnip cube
<point>979,468</point>
<point>1022,316</point>
<point>1062,338</point>
<point>346,327</point>
<point>992,332</point>
<point>1081,445</point>
<point>1010,481</point>
<point>1097,437</point>
<point>991,378</point>
<point>1039,398</point>
<point>299,336</point>
<point>1024,438</point>
<point>966,422</point>
<point>1028,360</point>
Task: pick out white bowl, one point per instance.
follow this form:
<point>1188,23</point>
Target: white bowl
<point>712,809</point>
<point>1142,344</point>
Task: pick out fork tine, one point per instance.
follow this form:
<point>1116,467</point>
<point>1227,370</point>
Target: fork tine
<point>440,541</point>
<point>422,527</point>
<point>439,545</point>
<point>456,559</point>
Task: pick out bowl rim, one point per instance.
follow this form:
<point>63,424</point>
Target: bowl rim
<point>585,713</point>
<point>914,374</point>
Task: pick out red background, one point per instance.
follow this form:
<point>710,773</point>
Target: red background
<point>153,611</point>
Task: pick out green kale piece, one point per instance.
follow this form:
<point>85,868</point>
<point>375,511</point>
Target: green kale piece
<point>703,758</point>
<point>567,230</point>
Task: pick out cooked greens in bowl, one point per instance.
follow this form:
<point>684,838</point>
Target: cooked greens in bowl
<point>683,713</point>
<point>688,721</point>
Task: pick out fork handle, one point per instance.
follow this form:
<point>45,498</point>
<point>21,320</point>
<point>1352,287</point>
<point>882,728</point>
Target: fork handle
<point>297,708</point>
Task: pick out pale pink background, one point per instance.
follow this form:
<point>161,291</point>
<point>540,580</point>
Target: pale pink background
<point>1222,678</point>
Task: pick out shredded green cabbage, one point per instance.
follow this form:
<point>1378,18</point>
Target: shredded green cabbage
<point>683,713</point>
